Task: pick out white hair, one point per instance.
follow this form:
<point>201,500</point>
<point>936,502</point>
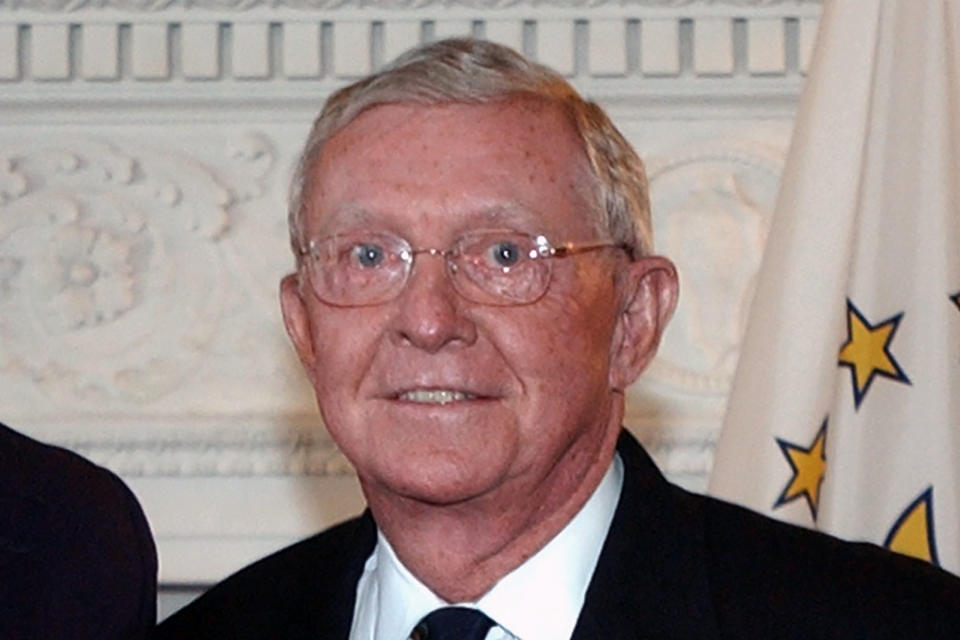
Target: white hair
<point>471,71</point>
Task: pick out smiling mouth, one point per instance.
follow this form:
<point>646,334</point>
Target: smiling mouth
<point>435,396</point>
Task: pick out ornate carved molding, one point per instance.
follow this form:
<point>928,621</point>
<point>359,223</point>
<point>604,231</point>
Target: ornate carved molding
<point>683,451</point>
<point>685,456</point>
<point>390,5</point>
<point>712,205</point>
<point>284,46</point>
<point>113,284</point>
<point>188,455</point>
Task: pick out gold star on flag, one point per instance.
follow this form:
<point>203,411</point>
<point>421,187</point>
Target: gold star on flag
<point>867,352</point>
<point>809,465</point>
<point>912,533</point>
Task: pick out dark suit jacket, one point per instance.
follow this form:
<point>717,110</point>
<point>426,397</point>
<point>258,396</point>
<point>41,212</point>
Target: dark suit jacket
<point>675,565</point>
<point>77,560</point>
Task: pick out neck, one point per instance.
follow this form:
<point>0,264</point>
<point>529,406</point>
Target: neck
<point>461,550</point>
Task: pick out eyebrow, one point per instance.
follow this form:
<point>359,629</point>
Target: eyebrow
<point>347,212</point>
<point>510,214</point>
<point>506,213</point>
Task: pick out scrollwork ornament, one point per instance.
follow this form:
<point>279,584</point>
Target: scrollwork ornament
<point>111,279</point>
<point>90,275</point>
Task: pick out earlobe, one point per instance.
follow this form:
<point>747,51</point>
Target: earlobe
<point>649,290</point>
<point>296,319</point>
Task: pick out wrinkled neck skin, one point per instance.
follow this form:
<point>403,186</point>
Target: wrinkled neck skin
<point>461,550</point>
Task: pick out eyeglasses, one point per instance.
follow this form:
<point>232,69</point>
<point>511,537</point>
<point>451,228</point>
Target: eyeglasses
<point>488,267</point>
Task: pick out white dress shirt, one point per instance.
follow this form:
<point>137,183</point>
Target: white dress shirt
<point>539,600</point>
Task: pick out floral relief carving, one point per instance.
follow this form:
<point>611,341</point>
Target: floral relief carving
<point>111,274</point>
<point>91,275</point>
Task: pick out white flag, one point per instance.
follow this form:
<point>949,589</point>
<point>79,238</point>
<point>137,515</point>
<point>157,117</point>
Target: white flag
<point>845,409</point>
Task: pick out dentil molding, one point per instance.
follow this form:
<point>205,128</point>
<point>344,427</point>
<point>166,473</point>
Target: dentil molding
<point>157,5</point>
<point>110,54</point>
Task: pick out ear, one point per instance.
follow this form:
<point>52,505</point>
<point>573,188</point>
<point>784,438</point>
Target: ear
<point>649,291</point>
<point>297,321</point>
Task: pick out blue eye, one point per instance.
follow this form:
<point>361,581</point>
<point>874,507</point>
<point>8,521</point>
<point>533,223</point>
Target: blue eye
<point>505,253</point>
<point>368,254</point>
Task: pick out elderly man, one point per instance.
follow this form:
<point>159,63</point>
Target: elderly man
<point>474,292</point>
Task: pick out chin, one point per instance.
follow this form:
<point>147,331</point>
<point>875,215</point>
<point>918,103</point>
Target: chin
<point>437,480</point>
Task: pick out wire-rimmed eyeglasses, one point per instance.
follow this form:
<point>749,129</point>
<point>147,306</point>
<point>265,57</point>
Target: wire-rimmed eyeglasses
<point>491,267</point>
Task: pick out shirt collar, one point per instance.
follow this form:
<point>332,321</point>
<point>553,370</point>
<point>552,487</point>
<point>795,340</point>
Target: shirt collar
<point>551,584</point>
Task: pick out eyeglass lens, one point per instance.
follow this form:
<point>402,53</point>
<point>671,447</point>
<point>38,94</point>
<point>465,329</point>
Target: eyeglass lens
<point>499,268</point>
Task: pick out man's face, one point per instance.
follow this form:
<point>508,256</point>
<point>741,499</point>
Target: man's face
<point>535,379</point>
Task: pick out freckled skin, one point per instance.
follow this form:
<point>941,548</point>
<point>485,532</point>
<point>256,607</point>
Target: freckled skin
<point>466,491</point>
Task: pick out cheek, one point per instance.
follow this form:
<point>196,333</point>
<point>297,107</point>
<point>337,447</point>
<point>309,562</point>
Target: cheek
<point>344,344</point>
<point>560,345</point>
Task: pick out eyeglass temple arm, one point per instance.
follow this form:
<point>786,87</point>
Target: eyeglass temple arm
<point>570,248</point>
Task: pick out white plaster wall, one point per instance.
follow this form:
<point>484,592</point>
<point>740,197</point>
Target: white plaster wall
<point>145,148</point>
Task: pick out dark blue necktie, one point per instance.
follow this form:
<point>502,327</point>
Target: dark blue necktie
<point>453,623</point>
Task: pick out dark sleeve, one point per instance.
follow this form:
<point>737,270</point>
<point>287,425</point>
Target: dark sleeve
<point>143,561</point>
<point>77,559</point>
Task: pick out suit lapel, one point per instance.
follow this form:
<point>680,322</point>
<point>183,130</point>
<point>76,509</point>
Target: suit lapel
<point>327,610</point>
<point>650,581</point>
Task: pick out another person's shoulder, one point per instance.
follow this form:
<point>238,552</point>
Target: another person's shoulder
<point>77,558</point>
<point>34,471</point>
<point>299,591</point>
<point>769,577</point>
<point>65,490</point>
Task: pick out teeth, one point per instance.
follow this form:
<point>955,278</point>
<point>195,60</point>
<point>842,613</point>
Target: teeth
<point>435,396</point>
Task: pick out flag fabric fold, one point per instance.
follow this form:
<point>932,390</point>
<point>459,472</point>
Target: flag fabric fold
<point>845,409</point>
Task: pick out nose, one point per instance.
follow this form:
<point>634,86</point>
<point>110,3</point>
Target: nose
<point>430,314</point>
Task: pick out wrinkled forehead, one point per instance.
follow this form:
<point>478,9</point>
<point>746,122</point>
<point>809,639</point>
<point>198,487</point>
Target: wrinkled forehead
<point>518,156</point>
